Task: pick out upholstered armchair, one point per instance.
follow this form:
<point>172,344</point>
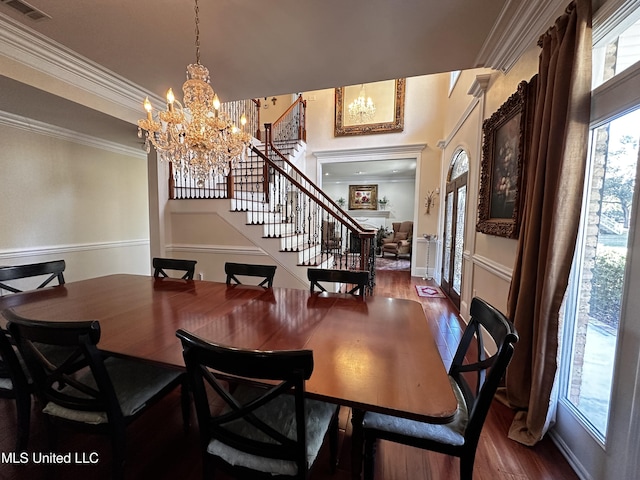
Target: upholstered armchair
<point>400,242</point>
<point>331,241</point>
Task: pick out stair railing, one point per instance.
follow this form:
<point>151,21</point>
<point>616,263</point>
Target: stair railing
<point>289,206</point>
<point>291,126</point>
<point>286,208</point>
<point>250,108</point>
<point>339,235</point>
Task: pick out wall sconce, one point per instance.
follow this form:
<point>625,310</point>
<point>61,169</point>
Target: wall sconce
<point>430,199</point>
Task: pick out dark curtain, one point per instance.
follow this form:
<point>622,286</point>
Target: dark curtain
<point>553,196</point>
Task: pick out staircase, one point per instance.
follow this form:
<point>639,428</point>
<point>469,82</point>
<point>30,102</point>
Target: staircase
<point>272,203</point>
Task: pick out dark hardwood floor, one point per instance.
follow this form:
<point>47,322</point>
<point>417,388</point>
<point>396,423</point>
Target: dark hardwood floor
<point>158,448</point>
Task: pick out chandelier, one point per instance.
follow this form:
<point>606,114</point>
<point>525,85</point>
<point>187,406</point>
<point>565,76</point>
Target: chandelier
<point>200,139</point>
<point>362,109</point>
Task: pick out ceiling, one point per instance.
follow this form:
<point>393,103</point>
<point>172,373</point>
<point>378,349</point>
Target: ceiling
<point>256,49</point>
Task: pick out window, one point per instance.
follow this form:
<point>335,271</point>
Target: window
<point>616,50</point>
<point>453,78</point>
<point>598,280</point>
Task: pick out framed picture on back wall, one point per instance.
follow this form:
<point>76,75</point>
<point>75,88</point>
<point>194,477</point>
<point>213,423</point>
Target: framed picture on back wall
<point>363,197</point>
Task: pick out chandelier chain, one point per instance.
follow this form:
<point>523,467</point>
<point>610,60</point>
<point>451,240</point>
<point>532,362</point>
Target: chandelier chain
<point>197,10</point>
<point>200,140</point>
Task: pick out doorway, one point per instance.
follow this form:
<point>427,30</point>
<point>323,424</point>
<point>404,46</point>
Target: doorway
<point>454,221</point>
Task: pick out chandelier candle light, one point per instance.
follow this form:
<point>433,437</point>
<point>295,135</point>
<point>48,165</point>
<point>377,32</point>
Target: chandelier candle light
<point>362,109</point>
<point>198,138</point>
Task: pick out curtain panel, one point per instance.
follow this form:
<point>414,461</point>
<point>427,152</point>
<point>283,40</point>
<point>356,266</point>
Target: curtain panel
<point>554,180</point>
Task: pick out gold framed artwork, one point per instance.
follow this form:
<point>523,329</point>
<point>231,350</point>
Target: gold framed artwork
<point>363,197</point>
<point>388,99</point>
<point>505,146</point>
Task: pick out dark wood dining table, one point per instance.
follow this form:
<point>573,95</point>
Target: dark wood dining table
<point>376,354</point>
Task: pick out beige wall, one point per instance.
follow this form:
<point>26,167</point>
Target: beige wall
<point>488,259</point>
<point>425,100</point>
<point>64,200</point>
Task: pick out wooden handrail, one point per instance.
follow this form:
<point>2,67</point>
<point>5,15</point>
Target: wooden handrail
<point>367,257</point>
<point>288,205</point>
<point>269,143</point>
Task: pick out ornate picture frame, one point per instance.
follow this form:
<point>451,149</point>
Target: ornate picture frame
<point>506,137</point>
<point>363,197</point>
<point>389,99</point>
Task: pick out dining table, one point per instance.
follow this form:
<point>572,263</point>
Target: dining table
<point>370,354</point>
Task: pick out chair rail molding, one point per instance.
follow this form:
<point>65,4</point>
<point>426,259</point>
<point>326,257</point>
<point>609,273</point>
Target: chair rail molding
<point>215,249</point>
<point>10,253</point>
<point>495,268</point>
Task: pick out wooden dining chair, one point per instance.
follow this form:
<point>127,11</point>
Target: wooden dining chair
<point>53,269</point>
<point>474,377</point>
<point>235,270</point>
<point>186,266</point>
<point>356,281</point>
<point>259,432</point>
<point>81,387</point>
<point>15,384</point>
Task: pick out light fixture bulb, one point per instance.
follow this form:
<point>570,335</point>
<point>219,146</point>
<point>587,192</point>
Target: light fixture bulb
<point>170,96</point>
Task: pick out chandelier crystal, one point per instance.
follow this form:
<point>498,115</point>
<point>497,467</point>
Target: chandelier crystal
<point>362,109</point>
<point>196,136</point>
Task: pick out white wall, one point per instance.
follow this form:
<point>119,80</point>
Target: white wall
<point>63,200</point>
<point>401,195</point>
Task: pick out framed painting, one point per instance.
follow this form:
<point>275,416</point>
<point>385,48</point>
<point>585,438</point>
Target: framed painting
<point>505,145</point>
<point>363,197</point>
<point>387,114</point>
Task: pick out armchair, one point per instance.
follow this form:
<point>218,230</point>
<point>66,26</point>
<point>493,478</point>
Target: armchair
<point>400,242</point>
<point>331,241</point>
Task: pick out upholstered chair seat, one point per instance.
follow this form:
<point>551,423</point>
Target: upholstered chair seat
<point>279,414</point>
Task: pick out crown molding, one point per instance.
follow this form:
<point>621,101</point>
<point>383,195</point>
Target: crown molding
<point>40,53</point>
<point>613,14</point>
<point>517,29</point>
<point>479,85</point>
<point>368,154</point>
<point>366,179</point>
<point>41,128</point>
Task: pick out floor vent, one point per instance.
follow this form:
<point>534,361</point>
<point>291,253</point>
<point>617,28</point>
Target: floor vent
<point>28,10</point>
